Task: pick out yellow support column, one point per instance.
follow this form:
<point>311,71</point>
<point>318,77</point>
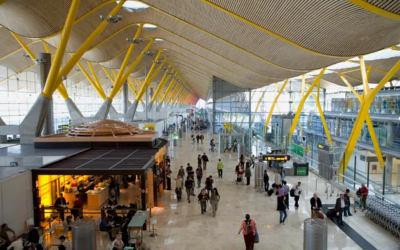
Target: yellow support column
<point>157,71</point>
<point>175,98</point>
<point>177,87</point>
<point>52,81</point>
<point>96,79</point>
<point>363,114</point>
<point>146,81</point>
<point>365,77</point>
<point>119,79</point>
<point>273,105</point>
<point>56,80</point>
<point>163,81</point>
<point>168,90</point>
<point>301,104</point>
<point>258,105</point>
<point>62,90</point>
<point>102,95</point>
<point>243,120</point>
<point>108,74</point>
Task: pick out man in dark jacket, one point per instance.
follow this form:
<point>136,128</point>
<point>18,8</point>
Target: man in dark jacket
<point>315,203</point>
<point>61,203</point>
<point>204,157</point>
<point>339,207</point>
<point>347,201</point>
<point>189,185</point>
<point>266,181</point>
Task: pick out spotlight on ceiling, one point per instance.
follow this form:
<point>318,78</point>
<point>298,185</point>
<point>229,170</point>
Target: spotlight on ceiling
<point>134,40</point>
<point>111,19</point>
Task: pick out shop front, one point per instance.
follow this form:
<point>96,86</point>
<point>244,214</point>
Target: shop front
<point>88,180</point>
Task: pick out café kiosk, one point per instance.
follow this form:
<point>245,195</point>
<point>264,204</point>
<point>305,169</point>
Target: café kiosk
<point>86,174</point>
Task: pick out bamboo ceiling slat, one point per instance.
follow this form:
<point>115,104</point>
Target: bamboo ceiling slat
<point>391,6</point>
<point>335,27</point>
<point>40,18</point>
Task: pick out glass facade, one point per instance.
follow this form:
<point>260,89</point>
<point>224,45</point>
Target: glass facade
<point>18,92</point>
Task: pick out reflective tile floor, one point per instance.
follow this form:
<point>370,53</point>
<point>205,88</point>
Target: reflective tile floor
<point>182,226</point>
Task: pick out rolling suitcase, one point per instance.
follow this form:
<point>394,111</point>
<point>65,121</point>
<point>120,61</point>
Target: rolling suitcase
<point>270,192</point>
<point>331,213</point>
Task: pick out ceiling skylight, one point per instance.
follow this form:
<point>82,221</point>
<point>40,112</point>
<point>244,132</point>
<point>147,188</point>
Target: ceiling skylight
<point>135,5</point>
<point>149,26</point>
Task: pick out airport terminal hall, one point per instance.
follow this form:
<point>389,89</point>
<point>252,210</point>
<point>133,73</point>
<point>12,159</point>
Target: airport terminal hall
<point>199,124</point>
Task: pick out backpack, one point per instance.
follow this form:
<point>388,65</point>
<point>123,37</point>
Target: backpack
<point>249,228</point>
<point>358,191</point>
<point>292,193</point>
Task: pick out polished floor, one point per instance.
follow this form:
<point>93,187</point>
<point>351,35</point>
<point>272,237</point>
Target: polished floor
<point>182,226</point>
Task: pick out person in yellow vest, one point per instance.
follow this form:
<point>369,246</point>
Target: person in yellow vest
<point>220,167</point>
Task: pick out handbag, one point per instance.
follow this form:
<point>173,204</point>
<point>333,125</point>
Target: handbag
<point>256,239</point>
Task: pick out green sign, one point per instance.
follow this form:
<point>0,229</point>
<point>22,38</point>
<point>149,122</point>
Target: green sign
<point>293,147</point>
<point>297,149</point>
<point>300,150</point>
<point>301,171</point>
<point>176,137</point>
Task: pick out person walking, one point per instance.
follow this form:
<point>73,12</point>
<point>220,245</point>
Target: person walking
<point>204,157</point>
<point>277,179</point>
<point>199,175</point>
<point>266,181</point>
<point>252,158</point>
<point>189,186</point>
<point>297,192</point>
<point>220,168</point>
<point>178,188</point>
<point>247,174</point>
<point>283,174</point>
<point>348,204</point>
<point>282,210</point>
<point>286,189</point>
<point>214,201</point>
<point>280,193</point>
<point>199,160</point>
<point>168,177</point>
<point>201,138</point>
<point>339,207</point>
<point>209,183</point>
<point>234,145</point>
<point>203,198</point>
<point>249,229</point>
<point>364,194</point>
<point>315,203</point>
<point>197,138</point>
<point>181,173</point>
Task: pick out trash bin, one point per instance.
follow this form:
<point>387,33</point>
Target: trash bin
<point>315,234</point>
<point>84,234</point>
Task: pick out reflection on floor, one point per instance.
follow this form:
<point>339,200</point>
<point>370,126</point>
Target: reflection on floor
<point>181,225</point>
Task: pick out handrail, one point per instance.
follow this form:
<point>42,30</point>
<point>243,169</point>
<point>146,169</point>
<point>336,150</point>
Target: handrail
<point>371,191</point>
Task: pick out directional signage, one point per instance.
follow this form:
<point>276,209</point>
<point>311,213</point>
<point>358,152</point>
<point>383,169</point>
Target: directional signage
<point>273,157</point>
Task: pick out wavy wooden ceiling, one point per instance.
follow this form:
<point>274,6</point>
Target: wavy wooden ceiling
<point>249,43</point>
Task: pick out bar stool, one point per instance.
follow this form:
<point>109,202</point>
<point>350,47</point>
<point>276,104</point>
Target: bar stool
<point>152,230</point>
